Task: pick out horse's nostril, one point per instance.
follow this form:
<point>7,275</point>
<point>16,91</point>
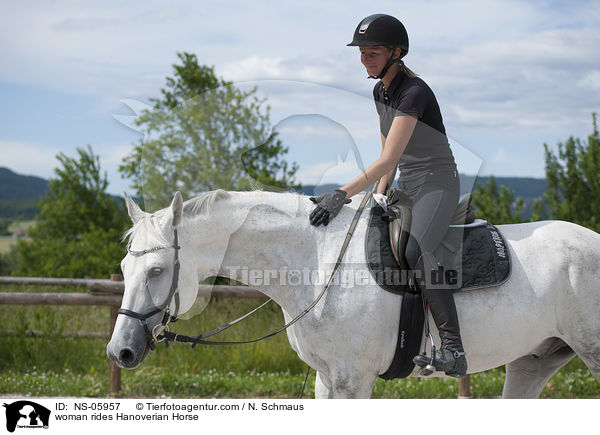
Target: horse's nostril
<point>126,356</point>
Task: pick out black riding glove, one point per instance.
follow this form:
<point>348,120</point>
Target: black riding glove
<point>328,206</point>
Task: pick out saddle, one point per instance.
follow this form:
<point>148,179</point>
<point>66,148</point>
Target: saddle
<point>399,216</point>
<point>473,253</point>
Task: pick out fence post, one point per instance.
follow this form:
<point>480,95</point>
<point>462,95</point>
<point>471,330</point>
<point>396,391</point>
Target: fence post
<point>464,387</point>
<point>114,370</point>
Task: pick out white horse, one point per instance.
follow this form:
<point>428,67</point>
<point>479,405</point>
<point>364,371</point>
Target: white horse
<point>544,314</point>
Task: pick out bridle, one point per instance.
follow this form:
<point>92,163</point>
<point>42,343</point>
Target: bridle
<point>152,337</point>
<point>160,332</point>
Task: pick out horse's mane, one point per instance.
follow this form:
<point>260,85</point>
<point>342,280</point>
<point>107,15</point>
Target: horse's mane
<point>150,226</point>
<point>201,205</point>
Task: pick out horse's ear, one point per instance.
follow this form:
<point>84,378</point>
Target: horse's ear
<point>177,209</point>
<point>134,211</point>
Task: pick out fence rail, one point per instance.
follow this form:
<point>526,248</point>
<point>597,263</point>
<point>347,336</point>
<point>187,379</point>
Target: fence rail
<point>108,292</point>
<point>117,286</point>
<point>59,299</point>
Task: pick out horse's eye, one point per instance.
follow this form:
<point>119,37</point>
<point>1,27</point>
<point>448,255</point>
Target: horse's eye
<point>154,272</point>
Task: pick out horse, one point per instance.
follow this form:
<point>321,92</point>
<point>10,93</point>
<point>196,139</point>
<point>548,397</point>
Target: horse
<point>534,323</point>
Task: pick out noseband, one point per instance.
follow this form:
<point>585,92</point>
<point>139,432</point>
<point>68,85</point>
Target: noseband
<point>152,336</point>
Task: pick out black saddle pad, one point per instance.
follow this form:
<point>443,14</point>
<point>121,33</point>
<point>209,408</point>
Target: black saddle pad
<point>470,257</point>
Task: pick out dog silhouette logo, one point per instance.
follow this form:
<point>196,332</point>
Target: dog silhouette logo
<point>26,414</point>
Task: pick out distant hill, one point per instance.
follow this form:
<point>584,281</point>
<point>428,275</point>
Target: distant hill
<point>527,187</point>
<point>19,194</point>
<point>17,186</point>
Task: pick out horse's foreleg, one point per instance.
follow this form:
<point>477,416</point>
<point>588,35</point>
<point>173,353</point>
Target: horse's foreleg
<point>322,391</point>
<point>352,385</point>
<point>590,355</point>
<point>527,376</point>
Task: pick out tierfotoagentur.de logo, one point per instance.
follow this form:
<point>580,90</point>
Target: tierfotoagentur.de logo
<point>24,414</point>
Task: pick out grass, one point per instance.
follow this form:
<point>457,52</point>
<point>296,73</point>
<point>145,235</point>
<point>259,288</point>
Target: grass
<point>21,225</point>
<point>5,244</point>
<point>55,366</point>
<point>570,383</point>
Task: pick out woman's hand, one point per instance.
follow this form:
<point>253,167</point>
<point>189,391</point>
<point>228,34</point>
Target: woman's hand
<point>328,206</point>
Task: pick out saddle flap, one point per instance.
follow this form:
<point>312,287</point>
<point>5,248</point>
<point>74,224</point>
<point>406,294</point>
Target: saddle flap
<point>399,216</point>
<point>399,232</point>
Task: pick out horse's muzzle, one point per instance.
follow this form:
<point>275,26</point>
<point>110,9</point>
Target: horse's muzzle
<point>127,357</point>
<point>128,346</point>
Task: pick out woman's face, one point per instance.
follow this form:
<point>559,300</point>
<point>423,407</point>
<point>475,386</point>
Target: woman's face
<point>374,58</point>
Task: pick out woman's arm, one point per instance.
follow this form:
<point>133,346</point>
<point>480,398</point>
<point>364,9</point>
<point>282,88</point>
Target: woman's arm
<point>400,132</point>
<point>388,179</point>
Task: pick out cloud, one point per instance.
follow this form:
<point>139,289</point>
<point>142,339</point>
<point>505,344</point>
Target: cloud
<point>304,69</point>
<point>111,156</point>
<point>501,156</point>
<point>312,133</point>
<point>591,81</point>
<point>29,158</point>
<point>540,80</point>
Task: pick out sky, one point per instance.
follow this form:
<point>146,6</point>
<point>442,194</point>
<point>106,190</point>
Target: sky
<point>509,76</point>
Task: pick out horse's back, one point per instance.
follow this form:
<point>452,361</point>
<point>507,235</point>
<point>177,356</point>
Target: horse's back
<point>553,241</point>
<point>561,261</point>
<point>543,228</point>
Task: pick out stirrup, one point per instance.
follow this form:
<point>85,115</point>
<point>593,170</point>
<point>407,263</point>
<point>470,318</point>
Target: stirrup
<point>426,367</point>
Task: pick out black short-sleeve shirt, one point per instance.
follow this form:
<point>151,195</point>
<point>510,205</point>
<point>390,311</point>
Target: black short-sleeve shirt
<point>428,149</point>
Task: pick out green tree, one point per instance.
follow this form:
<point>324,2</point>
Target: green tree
<point>204,134</point>
<point>4,223</point>
<point>496,206</point>
<point>573,182</point>
<point>79,228</point>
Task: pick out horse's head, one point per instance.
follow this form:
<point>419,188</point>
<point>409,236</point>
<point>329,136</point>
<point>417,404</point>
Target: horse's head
<point>159,284</point>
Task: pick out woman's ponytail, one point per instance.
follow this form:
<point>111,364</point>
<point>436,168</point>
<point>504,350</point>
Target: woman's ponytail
<point>406,70</point>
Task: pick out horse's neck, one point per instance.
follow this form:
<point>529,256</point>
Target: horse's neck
<point>263,236</point>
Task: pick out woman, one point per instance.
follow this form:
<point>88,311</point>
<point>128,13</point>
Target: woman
<point>413,138</point>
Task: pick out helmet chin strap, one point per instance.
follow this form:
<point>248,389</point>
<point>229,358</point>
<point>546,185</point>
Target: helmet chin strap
<point>387,66</point>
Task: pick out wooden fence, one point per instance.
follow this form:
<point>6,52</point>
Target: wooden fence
<point>109,292</point>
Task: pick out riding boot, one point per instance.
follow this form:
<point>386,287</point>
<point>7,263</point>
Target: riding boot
<point>451,356</point>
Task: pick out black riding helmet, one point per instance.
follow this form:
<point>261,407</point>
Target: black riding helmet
<point>382,29</point>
